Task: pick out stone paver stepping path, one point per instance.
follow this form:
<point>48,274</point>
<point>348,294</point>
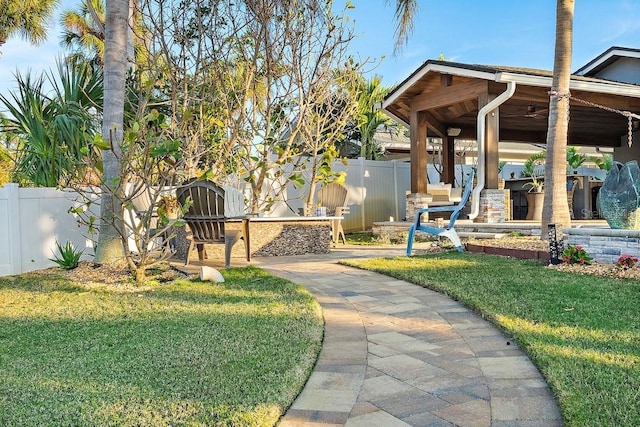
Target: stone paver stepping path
<point>396,354</point>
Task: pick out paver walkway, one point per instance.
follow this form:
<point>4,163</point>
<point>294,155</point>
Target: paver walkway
<point>396,354</point>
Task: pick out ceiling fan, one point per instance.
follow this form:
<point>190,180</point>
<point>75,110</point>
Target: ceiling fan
<point>533,112</point>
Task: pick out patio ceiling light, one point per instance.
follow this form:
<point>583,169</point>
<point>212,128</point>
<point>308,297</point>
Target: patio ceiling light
<point>453,131</point>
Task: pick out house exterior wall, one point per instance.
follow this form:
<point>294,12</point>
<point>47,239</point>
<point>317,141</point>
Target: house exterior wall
<point>624,70</point>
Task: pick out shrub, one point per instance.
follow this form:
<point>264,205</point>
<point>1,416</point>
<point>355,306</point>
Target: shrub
<point>68,256</point>
<point>576,255</point>
<point>625,261</point>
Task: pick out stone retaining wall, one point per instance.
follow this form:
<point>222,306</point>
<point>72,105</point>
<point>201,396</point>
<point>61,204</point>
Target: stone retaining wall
<point>398,230</point>
<point>604,244</point>
<point>271,238</point>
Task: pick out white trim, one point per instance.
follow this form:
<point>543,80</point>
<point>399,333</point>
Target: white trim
<point>610,88</point>
<point>394,117</point>
<point>599,60</point>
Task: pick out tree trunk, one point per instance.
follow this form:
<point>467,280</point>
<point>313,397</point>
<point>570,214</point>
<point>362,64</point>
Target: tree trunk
<point>556,210</point>
<point>115,68</point>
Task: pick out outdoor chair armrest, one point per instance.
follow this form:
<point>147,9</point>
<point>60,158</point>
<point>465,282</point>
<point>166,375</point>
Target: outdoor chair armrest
<point>448,208</point>
<point>342,210</point>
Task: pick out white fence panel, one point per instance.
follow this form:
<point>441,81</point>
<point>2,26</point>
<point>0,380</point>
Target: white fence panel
<point>376,192</point>
<point>32,220</point>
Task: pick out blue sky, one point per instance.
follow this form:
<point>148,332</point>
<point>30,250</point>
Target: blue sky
<point>495,32</point>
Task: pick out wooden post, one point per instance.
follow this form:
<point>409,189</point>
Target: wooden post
<point>491,143</point>
<point>448,160</point>
<point>418,133</point>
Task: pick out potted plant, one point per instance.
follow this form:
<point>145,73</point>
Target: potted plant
<point>536,184</point>
<point>533,168</point>
<point>604,163</point>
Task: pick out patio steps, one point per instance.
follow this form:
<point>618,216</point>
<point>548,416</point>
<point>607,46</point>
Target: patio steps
<point>480,235</point>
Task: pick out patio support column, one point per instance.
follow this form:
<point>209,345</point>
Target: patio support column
<point>448,160</point>
<point>418,134</point>
<point>491,142</point>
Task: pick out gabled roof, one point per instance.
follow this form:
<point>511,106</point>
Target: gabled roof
<point>449,94</point>
<point>503,74</point>
<point>607,58</point>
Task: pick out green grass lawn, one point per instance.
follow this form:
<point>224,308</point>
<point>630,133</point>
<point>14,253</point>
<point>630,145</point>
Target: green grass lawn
<point>582,331</point>
<point>180,353</point>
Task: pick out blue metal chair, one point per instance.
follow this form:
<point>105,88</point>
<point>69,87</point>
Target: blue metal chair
<point>448,231</point>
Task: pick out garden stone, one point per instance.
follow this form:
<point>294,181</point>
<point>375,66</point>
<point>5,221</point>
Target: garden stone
<point>619,198</point>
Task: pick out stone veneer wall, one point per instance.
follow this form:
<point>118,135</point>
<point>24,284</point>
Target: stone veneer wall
<point>605,245</point>
<point>268,238</point>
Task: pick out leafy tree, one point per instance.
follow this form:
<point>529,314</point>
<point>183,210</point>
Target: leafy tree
<point>405,13</point>
<point>150,162</point>
<point>248,81</point>
<point>25,18</point>
<point>370,93</point>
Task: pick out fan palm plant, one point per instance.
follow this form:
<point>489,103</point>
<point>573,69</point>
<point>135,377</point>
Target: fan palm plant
<point>54,131</point>
<point>26,18</point>
<point>83,31</point>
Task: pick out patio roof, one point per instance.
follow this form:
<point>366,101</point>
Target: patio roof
<point>448,94</point>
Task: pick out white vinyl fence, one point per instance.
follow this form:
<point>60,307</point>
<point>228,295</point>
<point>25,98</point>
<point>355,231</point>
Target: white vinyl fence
<point>377,192</point>
<point>32,220</point>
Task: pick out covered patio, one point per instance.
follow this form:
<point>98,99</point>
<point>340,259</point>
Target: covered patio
<point>451,100</point>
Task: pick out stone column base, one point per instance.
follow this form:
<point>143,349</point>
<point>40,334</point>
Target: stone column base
<point>416,201</point>
<point>492,206</point>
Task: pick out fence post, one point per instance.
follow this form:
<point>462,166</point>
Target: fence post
<point>362,210</point>
<point>395,189</point>
<point>15,242</point>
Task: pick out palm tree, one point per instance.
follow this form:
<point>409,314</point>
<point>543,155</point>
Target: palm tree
<point>110,248</point>
<point>84,30</point>
<point>556,210</point>
<point>369,94</point>
<point>26,18</point>
<point>405,13</point>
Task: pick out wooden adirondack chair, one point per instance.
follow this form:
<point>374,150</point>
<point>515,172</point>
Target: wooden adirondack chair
<point>334,197</point>
<point>448,231</point>
<point>206,219</point>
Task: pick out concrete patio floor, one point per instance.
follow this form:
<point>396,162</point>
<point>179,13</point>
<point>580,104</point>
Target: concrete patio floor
<point>396,354</point>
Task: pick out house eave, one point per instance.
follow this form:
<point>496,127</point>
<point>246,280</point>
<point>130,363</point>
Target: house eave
<point>604,87</point>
